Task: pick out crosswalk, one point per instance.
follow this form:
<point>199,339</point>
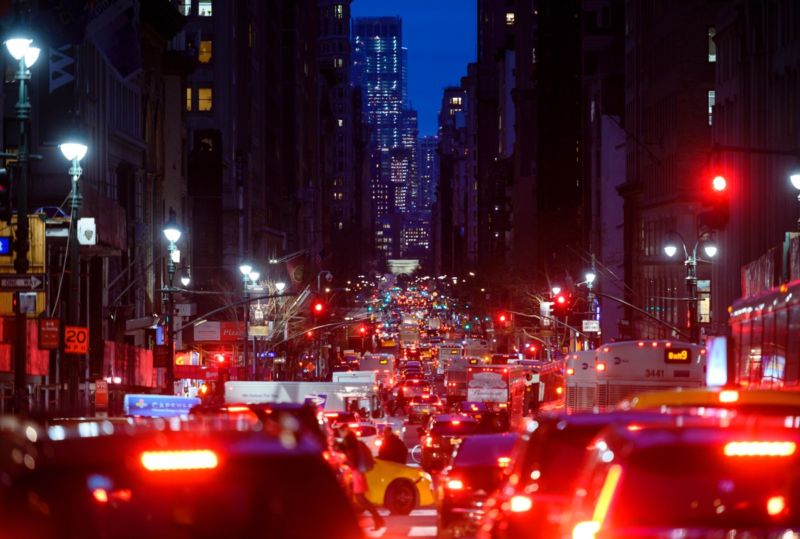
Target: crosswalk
<point>418,523</point>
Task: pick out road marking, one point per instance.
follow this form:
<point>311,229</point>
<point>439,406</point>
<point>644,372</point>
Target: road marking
<point>423,513</point>
<point>422,531</point>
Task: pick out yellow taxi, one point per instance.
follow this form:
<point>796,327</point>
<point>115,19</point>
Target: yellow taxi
<point>399,487</point>
<point>756,401</point>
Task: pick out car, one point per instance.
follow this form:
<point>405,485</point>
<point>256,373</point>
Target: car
<point>441,436</point>
<point>412,387</point>
<point>203,477</point>
<point>747,401</point>
<point>689,480</point>
<point>475,473</point>
<point>538,485</point>
<point>422,406</point>
<point>400,488</point>
<point>474,409</point>
<point>336,418</point>
<point>368,433</point>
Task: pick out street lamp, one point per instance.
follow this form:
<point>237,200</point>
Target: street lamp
<point>690,261</point>
<point>280,286</point>
<point>172,233</point>
<point>20,47</point>
<point>328,277</point>
<point>556,290</point>
<point>73,149</point>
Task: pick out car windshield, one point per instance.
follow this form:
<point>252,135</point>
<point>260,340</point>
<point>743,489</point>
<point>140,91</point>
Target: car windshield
<point>454,428</point>
<point>251,496</point>
<point>698,486</point>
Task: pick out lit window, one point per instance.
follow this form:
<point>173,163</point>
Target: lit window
<point>185,7</point>
<point>338,62</point>
<point>204,55</point>
<point>204,8</point>
<point>712,98</point>
<point>340,122</point>
<point>712,45</point>
<point>338,10</point>
<point>204,99</point>
<point>510,18</point>
<point>188,99</point>
<point>455,100</point>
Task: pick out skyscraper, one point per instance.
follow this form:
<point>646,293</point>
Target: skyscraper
<point>428,170</point>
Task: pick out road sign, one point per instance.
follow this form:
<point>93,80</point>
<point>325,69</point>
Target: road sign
<point>100,396</point>
<point>591,326</point>
<point>13,281</point>
<point>76,340</point>
<point>48,333</point>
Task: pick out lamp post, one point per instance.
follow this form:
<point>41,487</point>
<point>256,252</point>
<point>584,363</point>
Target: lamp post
<point>19,46</point>
<point>690,261</point>
<point>74,149</point>
<point>328,277</point>
<point>245,269</point>
<point>172,233</point>
<point>795,179</point>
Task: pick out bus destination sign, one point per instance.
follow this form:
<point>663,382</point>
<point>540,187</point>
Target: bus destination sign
<point>677,355</point>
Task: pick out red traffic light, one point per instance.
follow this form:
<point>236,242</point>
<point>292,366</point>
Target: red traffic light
<point>220,358</point>
<point>561,300</point>
<point>310,334</point>
<point>502,317</point>
<point>318,307</point>
<point>362,329</point>
<point>719,183</point>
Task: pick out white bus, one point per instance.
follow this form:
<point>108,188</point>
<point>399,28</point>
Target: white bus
<point>381,364</point>
<point>623,369</point>
<point>581,382</point>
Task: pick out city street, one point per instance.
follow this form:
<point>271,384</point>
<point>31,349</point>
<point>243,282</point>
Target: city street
<point>420,523</point>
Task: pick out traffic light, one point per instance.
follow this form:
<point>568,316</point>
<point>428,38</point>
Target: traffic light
<point>504,319</point>
<point>561,305</point>
<point>716,201</point>
<point>220,358</point>
<point>362,329</point>
<point>5,195</point>
<point>318,308</point>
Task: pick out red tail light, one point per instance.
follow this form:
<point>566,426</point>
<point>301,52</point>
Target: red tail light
<point>601,367</point>
<point>776,505</point>
<point>760,449</point>
<point>455,484</point>
<point>161,461</point>
<point>520,504</point>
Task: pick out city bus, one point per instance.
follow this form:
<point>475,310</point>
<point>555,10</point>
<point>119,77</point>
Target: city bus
<point>455,376</point>
<point>581,383</point>
<point>500,387</point>
<point>625,368</point>
<point>766,340</point>
<point>446,352</point>
<point>381,364</point>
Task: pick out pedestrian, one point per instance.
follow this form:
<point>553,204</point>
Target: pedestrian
<point>360,460</point>
<point>400,403</point>
<point>392,447</point>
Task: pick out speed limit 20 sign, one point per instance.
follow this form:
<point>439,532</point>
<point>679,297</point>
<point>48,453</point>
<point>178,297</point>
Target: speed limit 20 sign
<point>76,340</point>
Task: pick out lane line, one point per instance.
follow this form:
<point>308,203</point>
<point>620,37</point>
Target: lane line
<point>423,513</point>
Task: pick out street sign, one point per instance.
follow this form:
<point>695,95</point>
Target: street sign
<point>48,333</point>
<point>591,326</point>
<point>76,340</point>
<point>13,281</point>
<point>100,396</point>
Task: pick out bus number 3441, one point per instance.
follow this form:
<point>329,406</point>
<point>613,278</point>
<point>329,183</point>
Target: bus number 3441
<point>654,373</point>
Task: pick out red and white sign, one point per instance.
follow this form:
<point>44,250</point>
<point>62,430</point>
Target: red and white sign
<point>48,333</point>
<point>219,332</point>
<point>100,396</point>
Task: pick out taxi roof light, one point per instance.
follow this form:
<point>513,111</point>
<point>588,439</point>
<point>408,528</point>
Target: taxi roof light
<point>760,449</point>
<point>196,459</point>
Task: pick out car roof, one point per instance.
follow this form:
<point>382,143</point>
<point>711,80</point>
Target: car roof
<point>761,399</point>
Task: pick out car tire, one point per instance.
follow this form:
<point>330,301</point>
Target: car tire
<point>401,497</point>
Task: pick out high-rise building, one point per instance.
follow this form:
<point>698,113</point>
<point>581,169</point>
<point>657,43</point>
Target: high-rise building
<point>428,170</point>
<point>379,68</point>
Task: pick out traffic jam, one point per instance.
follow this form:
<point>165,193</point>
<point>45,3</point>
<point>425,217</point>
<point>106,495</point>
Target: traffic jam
<point>430,432</point>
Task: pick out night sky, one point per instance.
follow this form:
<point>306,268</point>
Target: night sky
<point>441,39</point>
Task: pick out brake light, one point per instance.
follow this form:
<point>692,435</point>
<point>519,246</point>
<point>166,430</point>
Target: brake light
<point>428,441</point>
<point>100,495</point>
<point>160,461</point>
<point>520,504</point>
<point>455,484</point>
<point>456,422</point>
<point>559,390</point>
<point>503,462</point>
<point>601,367</point>
<point>776,505</point>
<point>570,371</point>
<point>728,395</point>
<point>237,409</point>
<point>760,449</point>
<point>378,442</point>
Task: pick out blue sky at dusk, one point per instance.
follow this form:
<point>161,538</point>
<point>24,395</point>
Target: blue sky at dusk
<point>440,36</point>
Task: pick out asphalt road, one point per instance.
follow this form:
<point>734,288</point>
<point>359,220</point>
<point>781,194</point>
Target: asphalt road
<point>420,523</point>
